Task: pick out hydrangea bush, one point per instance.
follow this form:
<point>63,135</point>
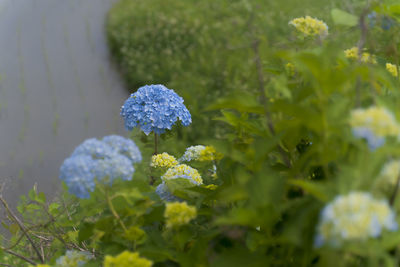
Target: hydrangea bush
<point>304,170</point>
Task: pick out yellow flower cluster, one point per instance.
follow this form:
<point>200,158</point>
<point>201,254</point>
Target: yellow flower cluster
<point>127,259</point>
<point>366,57</point>
<point>211,186</point>
<point>183,171</point>
<point>290,69</point>
<point>377,119</point>
<point>310,26</point>
<point>393,69</point>
<point>179,213</point>
<point>209,154</point>
<point>200,153</point>
<point>163,160</point>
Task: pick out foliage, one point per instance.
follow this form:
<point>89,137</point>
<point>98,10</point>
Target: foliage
<point>296,114</point>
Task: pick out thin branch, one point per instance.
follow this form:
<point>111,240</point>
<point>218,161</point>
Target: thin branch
<point>364,31</point>
<point>361,43</point>
<point>264,100</point>
<point>19,256</point>
<point>396,189</point>
<point>20,224</point>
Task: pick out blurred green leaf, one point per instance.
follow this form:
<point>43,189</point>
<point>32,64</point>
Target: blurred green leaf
<point>344,18</point>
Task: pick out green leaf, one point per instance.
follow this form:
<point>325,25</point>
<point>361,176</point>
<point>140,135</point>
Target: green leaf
<point>14,228</point>
<point>240,101</point>
<point>343,18</point>
<point>312,188</point>
<point>41,198</point>
<point>134,233</point>
<point>53,208</point>
<point>178,184</point>
<point>85,232</point>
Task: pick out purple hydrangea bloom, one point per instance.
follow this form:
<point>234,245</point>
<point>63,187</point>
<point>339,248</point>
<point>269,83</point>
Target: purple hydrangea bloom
<point>104,160</point>
<point>154,108</point>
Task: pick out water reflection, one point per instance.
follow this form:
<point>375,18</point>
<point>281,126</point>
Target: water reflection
<point>57,87</point>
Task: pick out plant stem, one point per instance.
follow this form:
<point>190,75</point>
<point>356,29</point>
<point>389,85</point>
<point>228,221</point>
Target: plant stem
<point>155,144</point>
<point>264,100</point>
<point>393,197</point>
<point>114,212</point>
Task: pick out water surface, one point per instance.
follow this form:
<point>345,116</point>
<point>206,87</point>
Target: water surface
<point>58,87</point>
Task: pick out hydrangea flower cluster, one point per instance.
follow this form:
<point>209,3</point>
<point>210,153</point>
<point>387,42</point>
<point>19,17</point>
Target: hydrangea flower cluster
<point>179,213</point>
<point>73,258</point>
<point>385,22</point>
<point>310,26</point>
<point>104,160</point>
<point>393,69</point>
<point>124,146</point>
<point>127,259</point>
<point>387,179</point>
<point>374,124</point>
<point>177,171</point>
<point>200,153</point>
<point>354,217</point>
<point>154,108</point>
<point>365,57</point>
<point>183,171</point>
<point>163,160</point>
<point>163,192</point>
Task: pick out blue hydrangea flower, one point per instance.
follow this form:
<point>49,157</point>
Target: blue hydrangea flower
<point>73,258</point>
<point>99,160</point>
<point>374,124</point>
<point>124,146</point>
<point>94,148</point>
<point>373,140</point>
<point>77,173</point>
<point>163,192</point>
<point>109,169</point>
<point>354,217</point>
<point>154,108</point>
<point>385,22</point>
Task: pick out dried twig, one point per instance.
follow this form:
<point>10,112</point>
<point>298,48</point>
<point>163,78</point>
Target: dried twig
<point>20,224</point>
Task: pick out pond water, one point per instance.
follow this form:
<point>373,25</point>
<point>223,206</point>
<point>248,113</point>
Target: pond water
<point>58,87</point>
